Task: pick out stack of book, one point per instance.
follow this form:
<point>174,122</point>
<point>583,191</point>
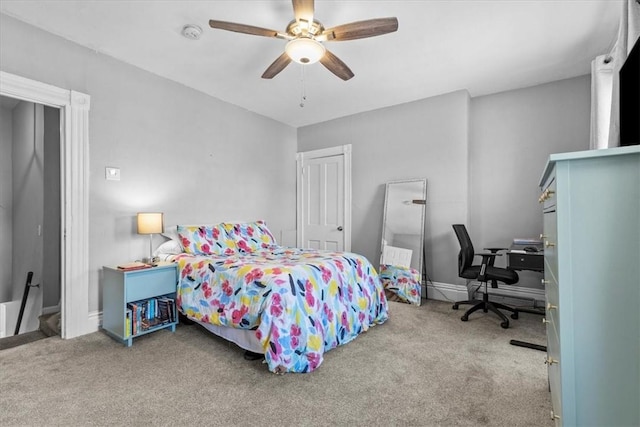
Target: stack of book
<point>147,314</point>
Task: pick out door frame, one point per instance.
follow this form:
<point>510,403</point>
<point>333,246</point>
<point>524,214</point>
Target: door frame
<point>74,185</point>
<point>301,159</point>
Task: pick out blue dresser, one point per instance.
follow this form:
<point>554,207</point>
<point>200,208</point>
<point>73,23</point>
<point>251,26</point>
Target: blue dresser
<point>591,205</point>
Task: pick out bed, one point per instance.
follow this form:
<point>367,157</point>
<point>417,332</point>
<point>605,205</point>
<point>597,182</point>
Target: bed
<point>290,304</point>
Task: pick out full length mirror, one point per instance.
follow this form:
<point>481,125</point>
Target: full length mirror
<point>402,255</point>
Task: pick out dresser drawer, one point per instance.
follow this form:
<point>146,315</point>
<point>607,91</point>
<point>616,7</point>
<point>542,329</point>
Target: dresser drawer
<point>552,307</point>
<point>550,242</point>
<point>149,283</point>
<point>553,353</point>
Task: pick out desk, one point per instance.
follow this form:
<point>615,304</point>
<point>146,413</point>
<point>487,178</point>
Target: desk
<point>519,259</point>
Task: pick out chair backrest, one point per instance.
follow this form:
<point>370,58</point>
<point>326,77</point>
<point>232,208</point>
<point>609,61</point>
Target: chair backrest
<point>466,254</point>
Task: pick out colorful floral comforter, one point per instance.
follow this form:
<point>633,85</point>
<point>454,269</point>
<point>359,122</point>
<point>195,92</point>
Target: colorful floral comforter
<point>300,302</point>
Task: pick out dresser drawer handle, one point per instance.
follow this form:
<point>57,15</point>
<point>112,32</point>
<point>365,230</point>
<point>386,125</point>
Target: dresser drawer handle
<point>544,282</point>
<point>554,416</point>
<point>550,361</point>
<point>545,321</point>
<point>551,306</point>
<point>546,194</point>
<point>549,244</point>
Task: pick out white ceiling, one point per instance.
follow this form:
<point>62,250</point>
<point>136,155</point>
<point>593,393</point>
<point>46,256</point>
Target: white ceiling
<point>484,46</point>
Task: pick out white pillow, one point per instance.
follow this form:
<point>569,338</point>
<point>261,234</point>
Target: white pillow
<point>172,247</point>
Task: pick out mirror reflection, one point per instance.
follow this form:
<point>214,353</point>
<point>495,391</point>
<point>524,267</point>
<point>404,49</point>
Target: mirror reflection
<point>401,258</point>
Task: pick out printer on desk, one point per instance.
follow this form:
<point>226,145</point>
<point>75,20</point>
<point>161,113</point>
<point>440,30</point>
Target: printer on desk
<point>526,254</point>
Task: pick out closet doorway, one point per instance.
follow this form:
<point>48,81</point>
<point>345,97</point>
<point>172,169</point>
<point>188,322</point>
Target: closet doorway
<point>73,109</point>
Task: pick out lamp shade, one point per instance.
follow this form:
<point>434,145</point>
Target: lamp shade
<point>150,222</point>
<point>305,50</point>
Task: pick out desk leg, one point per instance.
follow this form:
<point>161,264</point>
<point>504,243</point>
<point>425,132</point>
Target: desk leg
<point>528,345</point>
<point>531,310</point>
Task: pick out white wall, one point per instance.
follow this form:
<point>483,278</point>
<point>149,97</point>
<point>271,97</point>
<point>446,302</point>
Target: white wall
<point>422,139</point>
<point>6,204</point>
<point>191,156</point>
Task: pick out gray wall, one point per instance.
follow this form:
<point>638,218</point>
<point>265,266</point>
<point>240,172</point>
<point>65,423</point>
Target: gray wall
<point>191,156</point>
<point>6,204</point>
<point>422,139</point>
<point>30,186</point>
<point>28,194</point>
<point>199,159</point>
<point>512,135</point>
<point>51,221</point>
<point>482,158</point>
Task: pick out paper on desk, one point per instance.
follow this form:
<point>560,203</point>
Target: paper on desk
<point>527,241</point>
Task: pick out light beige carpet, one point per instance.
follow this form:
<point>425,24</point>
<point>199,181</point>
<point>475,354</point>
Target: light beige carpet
<point>424,367</point>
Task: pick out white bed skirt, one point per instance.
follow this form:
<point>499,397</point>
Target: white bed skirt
<point>243,338</point>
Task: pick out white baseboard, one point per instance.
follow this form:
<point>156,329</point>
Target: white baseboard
<point>511,295</point>
<point>514,295</point>
<point>95,321</point>
<point>445,291</point>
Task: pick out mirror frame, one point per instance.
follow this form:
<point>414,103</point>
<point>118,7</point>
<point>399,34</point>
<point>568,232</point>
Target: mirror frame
<point>421,255</point>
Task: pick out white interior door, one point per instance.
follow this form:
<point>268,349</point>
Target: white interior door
<point>324,199</point>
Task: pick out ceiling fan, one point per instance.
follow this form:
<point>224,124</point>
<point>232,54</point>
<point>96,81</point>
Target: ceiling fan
<point>305,35</point>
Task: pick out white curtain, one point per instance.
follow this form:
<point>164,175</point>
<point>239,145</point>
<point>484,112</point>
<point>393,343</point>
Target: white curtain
<point>605,106</point>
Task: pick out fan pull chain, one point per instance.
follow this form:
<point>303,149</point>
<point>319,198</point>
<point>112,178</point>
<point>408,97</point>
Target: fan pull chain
<point>303,94</point>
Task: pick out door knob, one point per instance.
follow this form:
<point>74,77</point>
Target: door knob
<point>339,228</point>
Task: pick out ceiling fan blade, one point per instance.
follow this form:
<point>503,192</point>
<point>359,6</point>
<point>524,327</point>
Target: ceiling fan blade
<point>336,66</point>
<point>242,28</point>
<point>303,10</point>
<point>361,29</point>
<point>277,66</point>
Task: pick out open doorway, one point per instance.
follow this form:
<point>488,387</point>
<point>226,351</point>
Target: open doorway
<point>74,172</point>
<point>30,219</point>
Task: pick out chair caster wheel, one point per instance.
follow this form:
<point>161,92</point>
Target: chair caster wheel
<point>514,315</point>
<point>505,324</point>
<point>455,306</point>
<point>464,318</point>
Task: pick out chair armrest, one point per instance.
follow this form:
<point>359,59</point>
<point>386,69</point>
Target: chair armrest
<point>494,250</point>
<point>487,260</point>
<point>486,254</point>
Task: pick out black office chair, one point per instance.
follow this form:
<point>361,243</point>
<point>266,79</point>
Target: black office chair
<point>483,273</point>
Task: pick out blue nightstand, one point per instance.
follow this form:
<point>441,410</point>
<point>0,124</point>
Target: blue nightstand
<point>139,302</point>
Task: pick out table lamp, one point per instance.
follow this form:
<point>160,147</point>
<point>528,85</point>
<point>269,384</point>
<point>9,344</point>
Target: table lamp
<point>150,223</point>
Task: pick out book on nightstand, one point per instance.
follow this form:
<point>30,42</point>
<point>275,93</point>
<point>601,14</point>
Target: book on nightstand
<point>136,265</point>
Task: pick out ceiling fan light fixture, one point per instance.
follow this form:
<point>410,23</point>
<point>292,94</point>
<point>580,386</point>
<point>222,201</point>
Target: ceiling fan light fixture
<point>305,50</point>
